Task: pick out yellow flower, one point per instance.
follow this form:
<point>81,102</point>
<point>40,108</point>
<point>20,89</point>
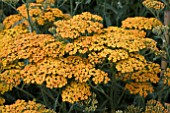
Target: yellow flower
<point>76,92</point>
<point>80,25</point>
<point>155,107</point>
<point>153,4</point>
<point>143,88</point>
<point>166,77</point>
<point>26,107</point>
<point>141,23</point>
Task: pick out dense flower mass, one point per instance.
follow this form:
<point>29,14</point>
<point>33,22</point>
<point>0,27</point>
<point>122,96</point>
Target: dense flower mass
<point>80,25</point>
<point>75,92</point>
<point>141,23</point>
<point>20,106</point>
<point>56,72</point>
<point>153,4</point>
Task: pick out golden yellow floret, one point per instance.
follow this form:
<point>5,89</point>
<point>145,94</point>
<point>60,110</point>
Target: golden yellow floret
<point>76,92</point>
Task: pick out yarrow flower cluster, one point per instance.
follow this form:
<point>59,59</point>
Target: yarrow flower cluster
<point>155,106</point>
<point>80,25</point>
<point>38,13</point>
<point>141,23</point>
<point>166,77</point>
<point>153,4</point>
<point>75,92</point>
<point>20,106</point>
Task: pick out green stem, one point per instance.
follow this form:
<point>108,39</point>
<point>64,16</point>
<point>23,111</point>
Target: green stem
<point>71,7</point>
<point>71,108</point>
<point>45,99</point>
<point>27,93</point>
<point>102,91</point>
<point>56,102</point>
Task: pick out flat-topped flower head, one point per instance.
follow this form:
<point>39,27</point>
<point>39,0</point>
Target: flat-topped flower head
<point>84,24</point>
<point>39,15</point>
<point>140,23</point>
<point>137,88</point>
<point>153,4</point>
<point>155,106</point>
<point>21,106</point>
<point>76,92</point>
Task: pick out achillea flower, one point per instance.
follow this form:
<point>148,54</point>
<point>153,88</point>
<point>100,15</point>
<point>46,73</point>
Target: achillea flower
<point>75,92</point>
<point>143,88</point>
<point>9,79</point>
<point>124,32</point>
<point>80,25</point>
<point>153,4</point>
<point>166,77</point>
<point>153,106</point>
<point>130,65</point>
<point>140,23</point>
<point>20,106</point>
<point>55,73</point>
<point>39,16</point>
<point>148,74</point>
<point>160,30</point>
<point>32,47</point>
<point>14,20</point>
